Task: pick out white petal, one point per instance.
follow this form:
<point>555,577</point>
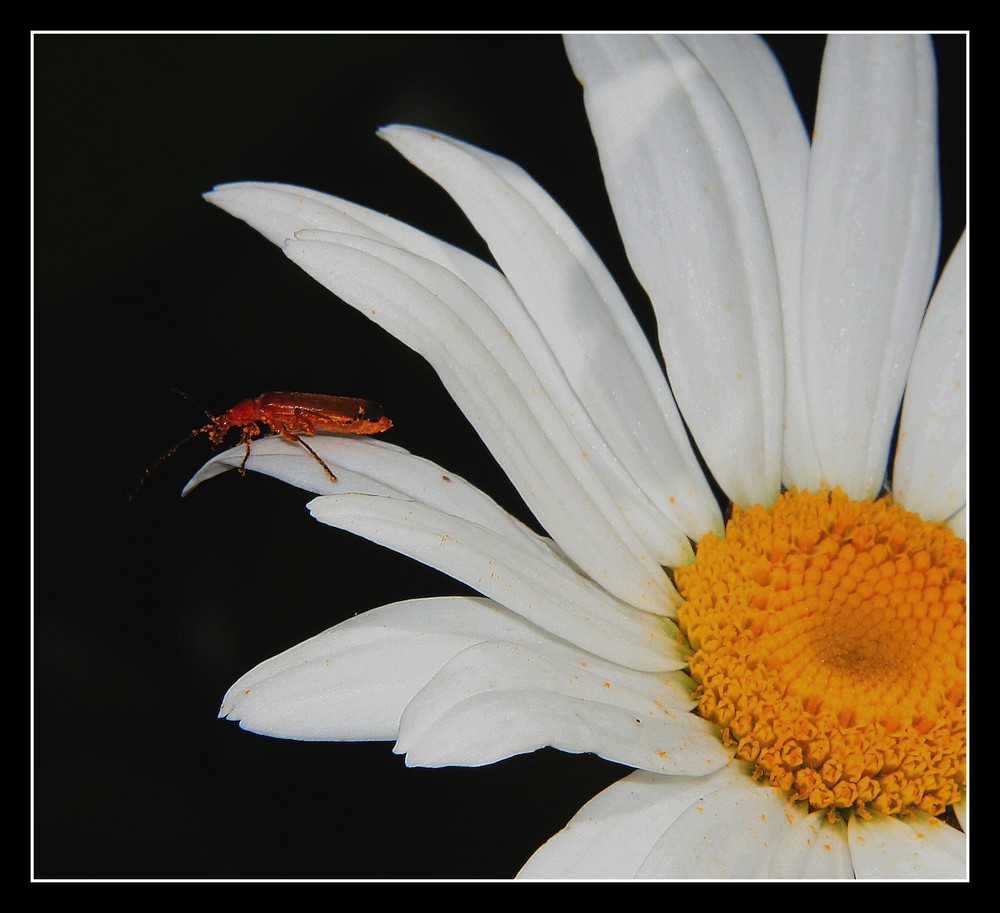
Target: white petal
<point>365,465</point>
<point>739,829</point>
<point>754,85</point>
<point>352,682</point>
<point>918,847</point>
<point>573,302</point>
<point>812,847</point>
<point>278,211</point>
<point>496,699</point>
<point>439,316</point>
<point>872,231</point>
<point>718,826</point>
<point>612,834</point>
<point>689,205</point>
<point>535,584</point>
<point>281,212</point>
<point>929,474</point>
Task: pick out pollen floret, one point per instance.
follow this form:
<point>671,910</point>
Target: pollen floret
<point>828,644</point>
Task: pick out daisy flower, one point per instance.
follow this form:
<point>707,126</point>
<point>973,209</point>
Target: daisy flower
<point>786,676</point>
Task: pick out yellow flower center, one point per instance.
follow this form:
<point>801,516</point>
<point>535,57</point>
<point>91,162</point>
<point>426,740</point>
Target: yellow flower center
<point>828,640</point>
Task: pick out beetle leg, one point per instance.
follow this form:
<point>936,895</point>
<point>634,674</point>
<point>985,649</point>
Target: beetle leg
<point>250,431</point>
<point>319,460</point>
<point>246,456</point>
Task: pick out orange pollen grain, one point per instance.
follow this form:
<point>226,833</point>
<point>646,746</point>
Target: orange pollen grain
<point>828,640</point>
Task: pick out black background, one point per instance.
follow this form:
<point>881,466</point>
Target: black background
<point>145,612</point>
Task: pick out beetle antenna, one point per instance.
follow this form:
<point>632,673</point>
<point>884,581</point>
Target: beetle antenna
<point>148,470</point>
<point>184,395</point>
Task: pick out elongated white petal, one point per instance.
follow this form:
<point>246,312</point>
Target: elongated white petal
<point>494,700</point>
<point>753,84</point>
<point>278,211</point>
<point>431,310</point>
<point>613,833</point>
<point>740,830</point>
<point>689,205</point>
<point>917,847</point>
<point>353,681</point>
<point>282,212</point>
<point>716,826</point>
<point>371,466</point>
<point>812,847</point>
<point>872,231</point>
<point>538,586</point>
<point>929,475</point>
